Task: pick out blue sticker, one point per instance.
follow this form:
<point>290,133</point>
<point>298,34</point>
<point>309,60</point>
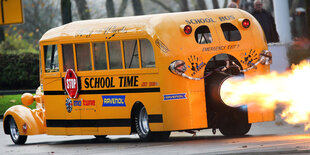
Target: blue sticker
<point>174,96</point>
<point>114,101</point>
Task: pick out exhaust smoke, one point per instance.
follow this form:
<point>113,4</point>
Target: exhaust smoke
<point>290,89</point>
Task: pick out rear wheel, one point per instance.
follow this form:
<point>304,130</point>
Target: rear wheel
<point>235,123</point>
<point>14,133</point>
<point>143,129</point>
<point>231,121</point>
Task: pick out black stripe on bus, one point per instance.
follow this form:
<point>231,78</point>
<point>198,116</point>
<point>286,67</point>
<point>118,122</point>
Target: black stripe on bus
<point>110,91</point>
<point>98,122</point>
<point>155,118</point>
<point>89,123</point>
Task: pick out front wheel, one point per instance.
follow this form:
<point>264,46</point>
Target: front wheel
<point>14,133</point>
<point>143,129</point>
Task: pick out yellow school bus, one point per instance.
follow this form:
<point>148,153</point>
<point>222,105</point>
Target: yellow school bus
<point>148,75</point>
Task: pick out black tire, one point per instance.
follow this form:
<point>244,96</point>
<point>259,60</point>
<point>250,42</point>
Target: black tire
<point>231,121</point>
<point>142,125</point>
<point>235,123</point>
<point>143,130</point>
<point>14,133</point>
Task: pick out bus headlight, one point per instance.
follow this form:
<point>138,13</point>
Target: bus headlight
<point>27,99</point>
<point>177,67</point>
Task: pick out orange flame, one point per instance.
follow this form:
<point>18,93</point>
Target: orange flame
<point>289,89</point>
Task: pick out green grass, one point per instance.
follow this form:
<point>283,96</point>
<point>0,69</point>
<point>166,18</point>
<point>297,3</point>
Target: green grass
<point>8,101</point>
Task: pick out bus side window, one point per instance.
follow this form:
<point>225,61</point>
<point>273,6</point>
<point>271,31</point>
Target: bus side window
<point>115,55</point>
<point>83,57</point>
<point>68,59</point>
<point>203,35</point>
<point>231,32</point>
<point>147,54</point>
<point>131,53</point>
<point>51,58</point>
<point>100,57</point>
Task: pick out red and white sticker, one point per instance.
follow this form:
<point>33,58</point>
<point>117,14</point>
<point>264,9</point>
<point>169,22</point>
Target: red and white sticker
<point>71,84</point>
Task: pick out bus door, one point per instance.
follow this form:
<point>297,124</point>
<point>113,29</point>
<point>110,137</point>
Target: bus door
<point>52,86</point>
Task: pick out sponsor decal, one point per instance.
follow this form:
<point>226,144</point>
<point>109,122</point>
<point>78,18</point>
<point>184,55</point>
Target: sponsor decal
<point>162,46</point>
<point>174,96</point>
<point>114,101</point>
<point>69,105</point>
<point>145,84</point>
<point>83,102</point>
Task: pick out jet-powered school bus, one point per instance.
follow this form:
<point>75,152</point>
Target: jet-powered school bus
<point>147,74</point>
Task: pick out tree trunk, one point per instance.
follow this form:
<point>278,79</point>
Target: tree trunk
<point>215,4</point>
<point>66,11</point>
<point>110,8</point>
<point>225,4</point>
<point>137,7</point>
<point>163,5</point>
<point>122,8</point>
<point>2,36</point>
<point>82,9</point>
<point>184,5</point>
<point>201,5</point>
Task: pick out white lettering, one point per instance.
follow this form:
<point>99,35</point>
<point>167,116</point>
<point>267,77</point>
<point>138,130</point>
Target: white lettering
<point>71,83</point>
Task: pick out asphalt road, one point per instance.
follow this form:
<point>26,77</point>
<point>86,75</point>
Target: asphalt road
<point>274,137</point>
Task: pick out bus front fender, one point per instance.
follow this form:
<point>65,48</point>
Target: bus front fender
<point>29,122</point>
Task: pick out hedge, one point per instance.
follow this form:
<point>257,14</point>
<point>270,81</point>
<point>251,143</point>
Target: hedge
<point>19,71</point>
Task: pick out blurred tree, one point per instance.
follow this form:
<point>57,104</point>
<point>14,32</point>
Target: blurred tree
<point>200,5</point>
<point>225,4</point>
<point>122,8</point>
<point>82,9</point>
<point>183,5</point>
<point>66,13</point>
<point>109,5</point>
<point>39,16</point>
<point>215,4</point>
<point>137,7</point>
<point>163,5</point>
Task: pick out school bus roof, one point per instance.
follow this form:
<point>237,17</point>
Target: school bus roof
<point>134,25</point>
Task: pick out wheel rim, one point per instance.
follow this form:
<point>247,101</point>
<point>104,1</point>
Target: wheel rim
<point>143,121</point>
<point>14,129</point>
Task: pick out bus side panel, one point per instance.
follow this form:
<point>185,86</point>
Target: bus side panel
<point>198,109</point>
<point>184,107</point>
<point>257,114</point>
<point>55,110</point>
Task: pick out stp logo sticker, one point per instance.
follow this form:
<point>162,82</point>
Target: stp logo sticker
<point>71,84</point>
